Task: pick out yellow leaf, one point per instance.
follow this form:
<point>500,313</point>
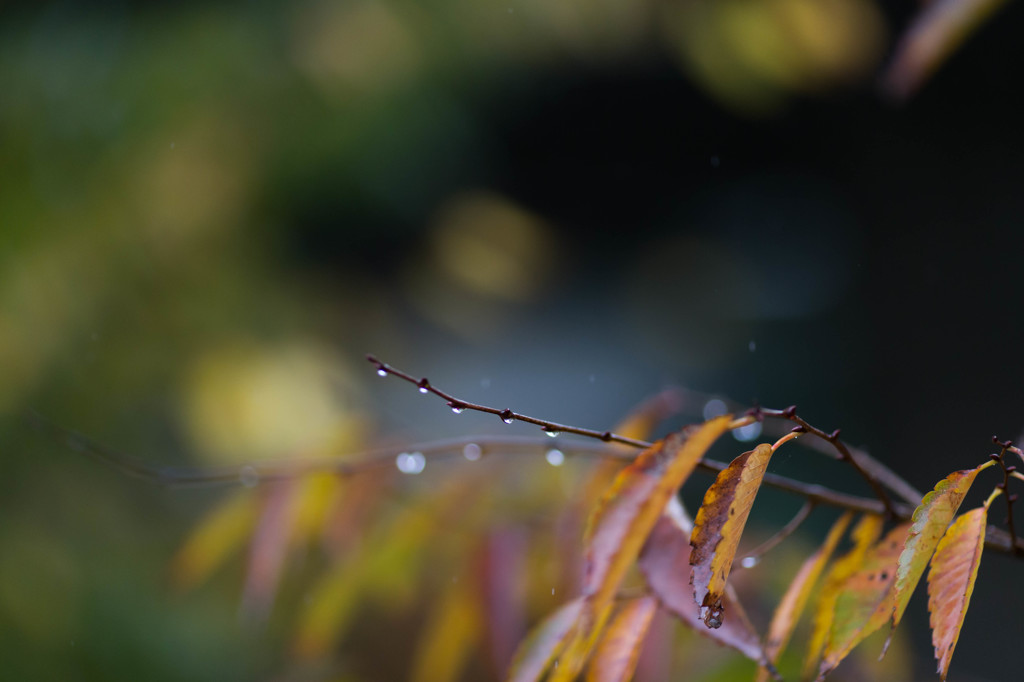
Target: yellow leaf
<point>223,531</point>
<point>865,599</point>
<point>623,520</point>
<point>544,643</point>
<point>718,527</point>
<point>330,609</point>
<point>866,532</point>
<point>617,654</point>
<point>954,568</point>
<point>931,518</point>
<point>792,604</point>
<point>450,636</point>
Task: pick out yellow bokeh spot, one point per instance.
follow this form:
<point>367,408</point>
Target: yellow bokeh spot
<point>243,402</point>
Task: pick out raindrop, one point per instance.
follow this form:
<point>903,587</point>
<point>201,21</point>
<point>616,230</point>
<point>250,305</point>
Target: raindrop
<point>423,389</point>
<point>748,432</point>
<point>457,410</point>
<point>411,463</point>
<point>248,476</point>
<point>555,458</point>
<point>714,408</point>
<point>507,416</point>
<point>472,452</point>
<point>749,561</point>
<point>552,433</point>
<point>382,372</point>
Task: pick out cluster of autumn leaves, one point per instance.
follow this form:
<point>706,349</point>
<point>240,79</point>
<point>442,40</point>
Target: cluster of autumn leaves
<point>640,521</point>
<point>637,532</point>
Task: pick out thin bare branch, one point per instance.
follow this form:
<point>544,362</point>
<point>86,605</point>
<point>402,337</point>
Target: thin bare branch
<point>754,556</point>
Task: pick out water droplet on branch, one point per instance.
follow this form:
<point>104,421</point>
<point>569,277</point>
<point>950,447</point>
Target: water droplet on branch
<point>472,452</point>
<point>411,462</point>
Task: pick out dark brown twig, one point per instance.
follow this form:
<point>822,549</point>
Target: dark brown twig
<point>1008,472</point>
<point>506,415</point>
<point>843,453</point>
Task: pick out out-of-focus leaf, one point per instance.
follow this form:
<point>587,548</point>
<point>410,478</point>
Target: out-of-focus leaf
<point>665,563</point>
<point>544,643</point>
<point>718,527</point>
<point>864,534</point>
<point>330,608</point>
<point>623,520</point>
<point>450,635</point>
<point>640,422</point>
<point>936,32</point>
<point>616,655</point>
<point>954,568</point>
<point>929,522</point>
<point>316,499</point>
<point>865,599</point>
<point>500,565</point>
<point>269,546</point>
<point>222,532</point>
<point>792,604</point>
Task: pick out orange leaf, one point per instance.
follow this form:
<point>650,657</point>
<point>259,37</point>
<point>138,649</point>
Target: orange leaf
<point>792,604</point>
<point>865,601</point>
<point>617,654</point>
<point>718,527</point>
<point>931,518</point>
<point>665,562</point>
<point>544,643</point>
<point>864,535</point>
<point>954,568</point>
<point>624,518</point>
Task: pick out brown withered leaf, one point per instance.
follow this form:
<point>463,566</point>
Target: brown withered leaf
<point>954,568</point>
<point>665,564</point>
<point>792,604</point>
<point>865,600</point>
<point>622,521</point>
<point>718,527</point>
<point>617,653</point>
<point>542,646</point>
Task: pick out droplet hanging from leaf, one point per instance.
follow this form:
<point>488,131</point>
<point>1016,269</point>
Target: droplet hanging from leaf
<point>624,518</point>
<point>665,562</point>
<point>718,527</point>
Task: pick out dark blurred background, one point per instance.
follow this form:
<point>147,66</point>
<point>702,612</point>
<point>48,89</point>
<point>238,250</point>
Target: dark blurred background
<point>209,212</point>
